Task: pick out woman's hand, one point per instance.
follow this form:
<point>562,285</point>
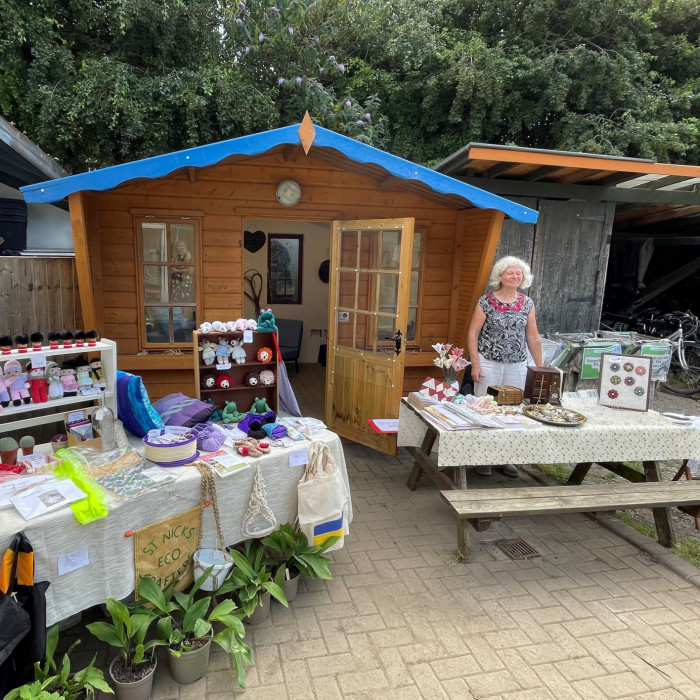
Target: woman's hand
<point>477,374</point>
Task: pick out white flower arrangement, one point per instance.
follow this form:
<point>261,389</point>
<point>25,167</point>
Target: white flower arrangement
<point>450,360</point>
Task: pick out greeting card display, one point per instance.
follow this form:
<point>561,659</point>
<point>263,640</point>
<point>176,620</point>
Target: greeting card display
<point>624,382</point>
<point>438,390</point>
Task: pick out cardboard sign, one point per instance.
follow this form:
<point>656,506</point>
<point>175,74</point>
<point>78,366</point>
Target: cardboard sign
<point>164,550</point>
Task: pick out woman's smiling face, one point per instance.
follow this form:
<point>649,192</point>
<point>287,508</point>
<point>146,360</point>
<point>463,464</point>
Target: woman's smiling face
<point>512,277</point>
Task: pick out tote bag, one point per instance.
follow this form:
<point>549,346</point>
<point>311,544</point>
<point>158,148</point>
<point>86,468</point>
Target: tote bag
<point>323,498</point>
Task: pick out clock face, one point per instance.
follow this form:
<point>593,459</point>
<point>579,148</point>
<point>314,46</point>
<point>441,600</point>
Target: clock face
<point>288,193</point>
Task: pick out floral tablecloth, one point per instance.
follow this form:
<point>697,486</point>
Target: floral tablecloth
<point>607,436</point>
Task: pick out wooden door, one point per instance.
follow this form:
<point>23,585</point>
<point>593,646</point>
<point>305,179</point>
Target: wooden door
<point>367,316</point>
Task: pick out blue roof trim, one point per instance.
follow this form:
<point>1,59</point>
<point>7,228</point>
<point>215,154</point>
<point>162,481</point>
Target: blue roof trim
<point>256,144</point>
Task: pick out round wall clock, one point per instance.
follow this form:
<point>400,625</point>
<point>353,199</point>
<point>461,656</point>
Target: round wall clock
<point>288,193</point>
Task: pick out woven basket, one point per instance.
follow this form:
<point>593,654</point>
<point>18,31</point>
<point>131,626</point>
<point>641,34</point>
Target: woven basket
<point>173,455</point>
<point>506,395</point>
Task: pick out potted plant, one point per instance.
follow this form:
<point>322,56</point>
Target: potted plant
<point>132,671</point>
<point>51,683</point>
<point>298,556</point>
<point>186,625</point>
<point>253,583</point>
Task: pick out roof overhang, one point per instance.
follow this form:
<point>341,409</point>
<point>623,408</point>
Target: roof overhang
<point>391,172</point>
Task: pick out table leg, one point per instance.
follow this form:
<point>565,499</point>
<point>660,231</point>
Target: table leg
<point>462,478</point>
<point>463,538</point>
<point>579,474</point>
<point>662,516</point>
<point>425,448</point>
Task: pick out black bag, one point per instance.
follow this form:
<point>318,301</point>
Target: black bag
<point>19,650</point>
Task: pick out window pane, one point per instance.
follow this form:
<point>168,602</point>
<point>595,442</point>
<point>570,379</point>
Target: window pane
<point>184,322</point>
<point>386,328</point>
<point>158,324</point>
<point>348,249</point>
<point>417,243</point>
<point>346,289</point>
<point>153,242</point>
<point>411,326</point>
<point>413,291</point>
<point>391,250</point>
<point>182,243</point>
<point>367,291</point>
<point>389,292</point>
<point>353,330</point>
<point>155,284</point>
<point>182,277</point>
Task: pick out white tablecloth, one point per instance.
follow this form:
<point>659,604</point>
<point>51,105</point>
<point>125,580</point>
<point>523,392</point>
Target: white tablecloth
<point>110,573</point>
<point>607,436</point>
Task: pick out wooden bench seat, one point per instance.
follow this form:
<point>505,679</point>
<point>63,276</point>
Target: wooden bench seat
<point>480,507</point>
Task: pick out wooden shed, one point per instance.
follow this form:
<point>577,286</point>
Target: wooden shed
<point>159,246</point>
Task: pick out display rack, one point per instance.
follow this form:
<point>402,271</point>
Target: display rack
<point>106,349</point>
<point>239,392</point>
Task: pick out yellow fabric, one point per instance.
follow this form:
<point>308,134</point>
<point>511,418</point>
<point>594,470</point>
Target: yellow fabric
<point>25,569</point>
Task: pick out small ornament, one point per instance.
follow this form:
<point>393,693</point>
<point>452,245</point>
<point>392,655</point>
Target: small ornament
<point>615,379</point>
<point>641,371</point>
<point>612,394</point>
<point>629,381</point>
<point>264,355</point>
<point>639,391</point>
<point>36,340</point>
<point>22,342</point>
<point>628,366</point>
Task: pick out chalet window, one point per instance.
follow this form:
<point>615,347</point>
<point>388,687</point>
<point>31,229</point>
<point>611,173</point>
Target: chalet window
<point>169,280</point>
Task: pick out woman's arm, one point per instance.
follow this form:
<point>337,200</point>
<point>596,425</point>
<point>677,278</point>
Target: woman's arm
<point>532,336</point>
<point>475,326</point>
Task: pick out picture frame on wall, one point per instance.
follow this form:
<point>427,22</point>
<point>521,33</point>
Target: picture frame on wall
<point>625,381</point>
<point>284,268</point>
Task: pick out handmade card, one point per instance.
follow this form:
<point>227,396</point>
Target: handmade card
<point>624,382</point>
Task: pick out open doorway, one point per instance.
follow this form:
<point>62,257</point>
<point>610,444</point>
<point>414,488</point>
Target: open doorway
<point>289,258</point>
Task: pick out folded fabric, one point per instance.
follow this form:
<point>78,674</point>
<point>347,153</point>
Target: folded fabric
<point>269,417</point>
<point>244,425</point>
<point>274,431</point>
<point>209,439</point>
<point>255,430</point>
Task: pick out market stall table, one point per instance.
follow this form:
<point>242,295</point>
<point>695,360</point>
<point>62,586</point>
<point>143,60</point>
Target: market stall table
<point>110,572</point>
<point>608,438</point>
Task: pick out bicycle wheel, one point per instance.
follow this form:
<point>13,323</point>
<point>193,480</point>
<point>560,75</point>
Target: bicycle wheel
<point>684,376</point>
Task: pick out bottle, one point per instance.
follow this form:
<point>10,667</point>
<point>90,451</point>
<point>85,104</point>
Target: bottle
<point>102,420</point>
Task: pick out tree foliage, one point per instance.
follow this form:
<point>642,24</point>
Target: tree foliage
<point>97,82</point>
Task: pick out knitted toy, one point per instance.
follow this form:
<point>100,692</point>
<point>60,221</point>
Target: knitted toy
<point>264,355</point>
<point>267,377</point>
<point>4,396</point>
<point>208,350</point>
<point>222,351</point>
<point>83,374</point>
<point>66,339</point>
<point>223,381</point>
<point>5,344</point>
<point>70,386</point>
<point>22,341</point>
<point>230,326</point>
<point>231,414</point>
<point>251,324</point>
<point>205,327</point>
<point>260,406</point>
<point>53,379</point>
<point>16,383</point>
<point>36,339</point>
<point>37,384</point>
<point>252,379</point>
<point>98,375</point>
<point>218,327</point>
<point>92,337</point>
<point>237,351</point>
<point>54,339</point>
<point>266,321</point>
<point>79,339</point>
<point>207,381</point>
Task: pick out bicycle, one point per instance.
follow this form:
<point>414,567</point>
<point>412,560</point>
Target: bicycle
<point>684,372</point>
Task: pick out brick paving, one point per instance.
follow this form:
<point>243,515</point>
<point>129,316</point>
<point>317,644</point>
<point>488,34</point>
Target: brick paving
<point>593,617</point>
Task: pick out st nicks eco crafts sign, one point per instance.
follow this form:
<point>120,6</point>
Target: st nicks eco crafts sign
<point>164,550</point>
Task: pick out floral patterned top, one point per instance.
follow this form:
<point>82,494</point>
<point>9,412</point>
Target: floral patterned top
<point>502,337</point>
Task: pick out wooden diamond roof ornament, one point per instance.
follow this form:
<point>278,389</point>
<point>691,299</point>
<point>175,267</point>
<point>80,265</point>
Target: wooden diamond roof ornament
<point>306,133</point>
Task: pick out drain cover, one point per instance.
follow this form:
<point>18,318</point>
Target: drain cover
<point>517,549</point>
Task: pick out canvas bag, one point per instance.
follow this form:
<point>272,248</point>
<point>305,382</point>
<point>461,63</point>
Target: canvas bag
<point>323,498</point>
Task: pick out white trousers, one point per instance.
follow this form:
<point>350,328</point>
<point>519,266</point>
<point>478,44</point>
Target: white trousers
<point>495,373</point>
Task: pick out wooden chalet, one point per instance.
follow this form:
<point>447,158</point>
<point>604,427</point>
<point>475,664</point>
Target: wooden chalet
<point>159,246</point>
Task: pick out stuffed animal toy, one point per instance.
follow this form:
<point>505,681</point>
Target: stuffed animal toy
<point>4,396</point>
<point>98,375</point>
<point>53,379</point>
<point>231,326</point>
<point>231,413</point>
<point>252,379</point>
<point>216,416</point>
<point>80,339</point>
<point>208,350</point>
<point>267,377</point>
<point>36,339</point>
<point>37,384</point>
<point>207,381</point>
<point>251,324</point>
<point>266,321</point>
<point>240,324</point>
<point>237,351</point>
<point>83,375</point>
<point>218,327</point>
<point>92,337</point>
<point>222,351</point>
<point>54,339</point>
<point>5,344</point>
<point>223,381</point>
<point>260,406</point>
<point>22,341</point>
<point>16,383</point>
<point>70,386</point>
<point>264,355</point>
<point>66,339</point>
<point>205,327</point>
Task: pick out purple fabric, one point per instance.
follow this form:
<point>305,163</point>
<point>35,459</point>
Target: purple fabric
<point>178,409</point>
<point>275,431</point>
<point>244,425</point>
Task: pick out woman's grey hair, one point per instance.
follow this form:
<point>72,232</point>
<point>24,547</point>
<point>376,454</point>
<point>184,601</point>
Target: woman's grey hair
<point>500,266</point>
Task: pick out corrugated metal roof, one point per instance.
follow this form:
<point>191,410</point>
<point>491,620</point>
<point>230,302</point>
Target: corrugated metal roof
<point>326,144</point>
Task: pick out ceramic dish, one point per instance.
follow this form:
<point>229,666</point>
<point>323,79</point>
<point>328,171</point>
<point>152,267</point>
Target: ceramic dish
<point>555,415</point>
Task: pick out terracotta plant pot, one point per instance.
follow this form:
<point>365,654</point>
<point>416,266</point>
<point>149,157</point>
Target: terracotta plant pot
<point>138,690</point>
<point>262,612</point>
<point>191,665</point>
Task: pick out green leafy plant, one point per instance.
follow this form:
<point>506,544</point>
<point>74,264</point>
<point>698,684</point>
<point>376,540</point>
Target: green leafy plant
<point>298,554</point>
<point>127,632</point>
<point>186,623</point>
<point>251,577</point>
<point>52,683</point>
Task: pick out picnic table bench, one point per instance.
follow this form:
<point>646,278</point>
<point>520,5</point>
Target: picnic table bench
<point>478,508</point>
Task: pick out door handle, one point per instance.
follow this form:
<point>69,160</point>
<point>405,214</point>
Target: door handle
<point>397,341</point>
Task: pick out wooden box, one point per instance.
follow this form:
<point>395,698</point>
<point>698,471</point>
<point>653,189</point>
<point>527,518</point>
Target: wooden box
<point>544,385</point>
<point>506,395</point>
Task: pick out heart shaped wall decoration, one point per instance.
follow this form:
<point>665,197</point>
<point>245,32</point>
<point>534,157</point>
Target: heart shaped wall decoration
<point>253,241</point>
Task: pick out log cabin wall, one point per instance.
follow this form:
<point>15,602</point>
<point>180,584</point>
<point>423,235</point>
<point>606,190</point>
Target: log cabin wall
<point>222,196</point>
